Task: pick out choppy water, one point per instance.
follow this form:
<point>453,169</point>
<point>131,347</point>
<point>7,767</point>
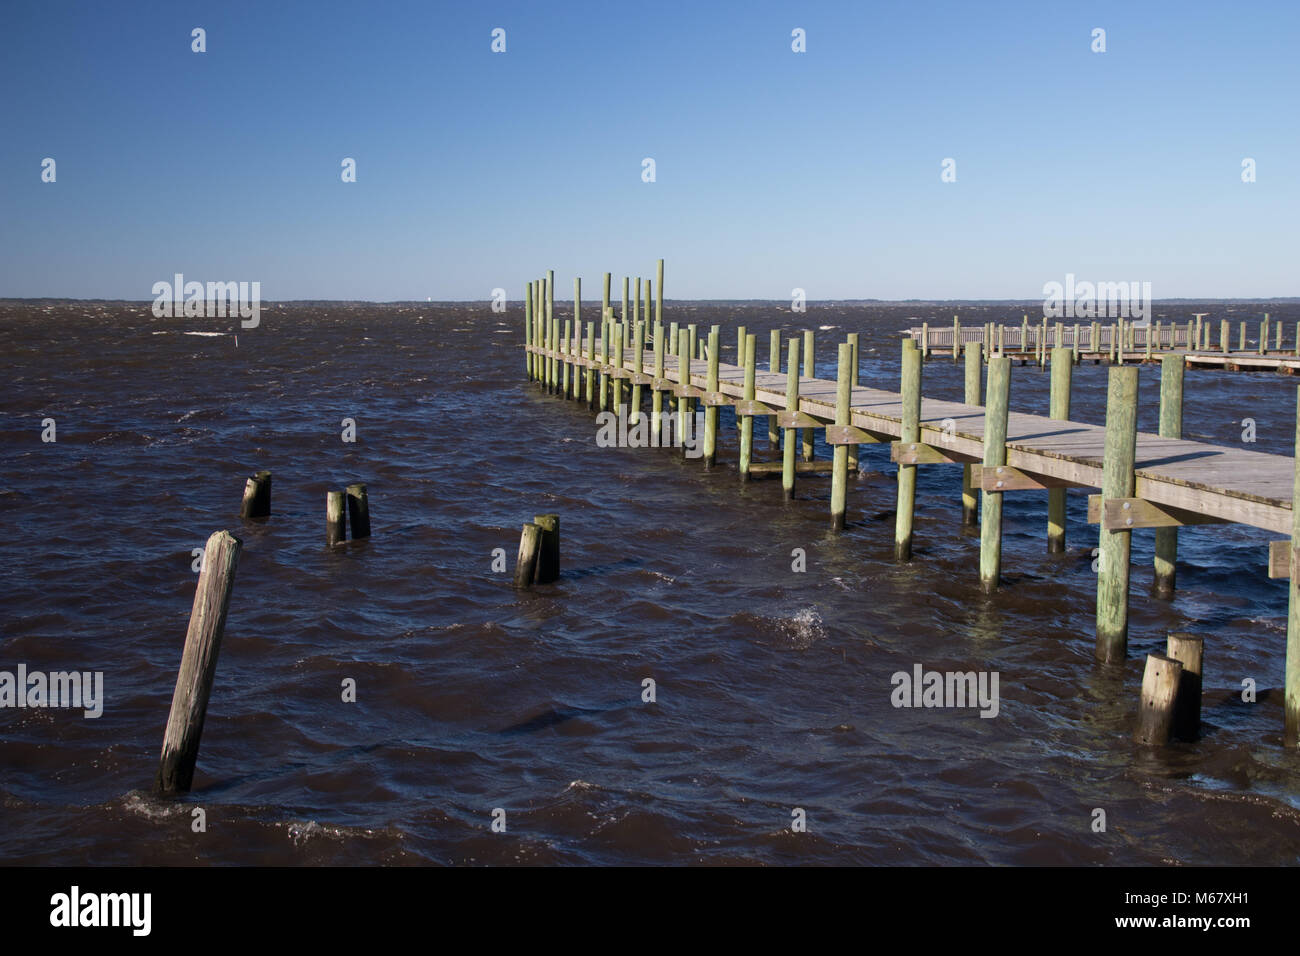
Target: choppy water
<point>773,687</point>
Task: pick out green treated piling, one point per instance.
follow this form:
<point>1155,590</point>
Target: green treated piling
<point>747,421</point>
<point>693,337</point>
<point>1117,482</point>
<point>606,331</point>
<point>910,389</point>
<point>564,361</point>
<point>616,359</point>
<point>956,340</point>
<point>577,326</point>
<point>604,296</point>
<point>638,366</point>
<point>791,404</point>
<point>711,412</point>
<point>809,371</point>
<point>1058,409</point>
<point>974,368</point>
<point>1292,701</point>
<point>925,340</point>
<point>1171,426</point>
<point>589,352</point>
<point>657,398</point>
<point>1225,336</point>
<point>1241,346</point>
<point>843,416</point>
<point>1263,336</point>
<point>550,319</point>
<point>528,329</point>
<point>995,456</point>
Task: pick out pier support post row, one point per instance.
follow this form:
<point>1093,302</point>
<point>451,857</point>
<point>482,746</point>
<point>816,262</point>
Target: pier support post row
<point>1059,409</point>
<point>1292,702</point>
<point>1171,426</point>
<point>180,748</point>
<point>997,397</point>
<point>1117,482</point>
<point>840,468</point>
<point>910,389</point>
<point>974,370</point>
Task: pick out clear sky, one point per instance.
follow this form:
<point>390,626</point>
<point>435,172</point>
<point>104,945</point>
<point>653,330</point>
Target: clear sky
<point>774,169</point>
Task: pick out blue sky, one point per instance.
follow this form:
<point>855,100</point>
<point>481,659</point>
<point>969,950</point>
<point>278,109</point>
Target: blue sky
<point>774,170</point>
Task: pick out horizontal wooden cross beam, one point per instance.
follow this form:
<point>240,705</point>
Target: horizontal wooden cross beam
<point>1126,514</point>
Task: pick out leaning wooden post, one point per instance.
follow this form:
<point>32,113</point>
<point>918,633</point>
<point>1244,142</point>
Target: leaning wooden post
<point>974,370</point>
<point>809,371</point>
<point>1059,409</point>
<point>548,559</point>
<point>257,496</point>
<point>843,416</point>
<point>711,411</point>
<point>1171,426</point>
<point>657,397</point>
<point>529,547</point>
<point>1155,720</point>
<point>853,382</point>
<point>997,400</point>
<point>180,749</point>
<point>335,523</point>
<point>1187,649</point>
<point>791,405</point>
<point>910,432</point>
<point>746,422</point>
<point>1291,705</point>
<point>1117,482</point>
<point>773,366</point>
<point>358,510</point>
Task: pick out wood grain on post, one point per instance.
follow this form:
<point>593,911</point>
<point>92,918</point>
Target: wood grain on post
<point>854,450</point>
<point>1117,481</point>
<point>974,372</point>
<point>548,555</point>
<point>564,360</point>
<point>773,366</point>
<point>180,749</point>
<point>1171,426</point>
<point>684,380</point>
<point>358,511</point>
<point>335,522</point>
<point>1059,409</point>
<point>529,548</point>
<point>528,329</point>
<point>791,405</point>
<point>638,366</point>
<point>657,395</point>
<point>589,353</point>
<point>1188,650</point>
<point>257,496</point>
<point>604,296</point>
<point>996,407</point>
<point>843,416</point>
<point>659,291</point>
<point>1155,719</point>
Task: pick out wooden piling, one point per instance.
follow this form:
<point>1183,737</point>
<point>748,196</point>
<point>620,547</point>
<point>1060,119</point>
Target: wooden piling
<point>773,366</point>
<point>997,400</point>
<point>1117,482</point>
<point>604,297</point>
<point>638,363</point>
<point>843,416</point>
<point>564,361</point>
<point>335,522</point>
<point>606,330</point>
<point>657,398</point>
<point>257,496</point>
<point>1187,649</point>
<point>529,548</point>
<point>1291,705</point>
<point>711,411</point>
<point>684,380</point>
<point>358,511</point>
<point>910,391</point>
<point>659,291</point>
<point>809,371</point>
<point>1058,409</point>
<point>528,329</point>
<point>180,749</point>
<point>548,555</point>
<point>1171,426</point>
<point>589,352</point>
<point>1155,719</point>
<point>1225,334</point>
<point>974,370</point>
<point>746,422</point>
<point>550,319</point>
<point>854,450</point>
<point>616,359</point>
<point>791,405</point>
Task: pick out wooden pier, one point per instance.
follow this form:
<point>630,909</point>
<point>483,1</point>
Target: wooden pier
<point>1157,481</point>
<point>1246,346</point>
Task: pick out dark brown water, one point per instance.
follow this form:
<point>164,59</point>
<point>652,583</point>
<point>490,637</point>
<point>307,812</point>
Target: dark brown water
<point>773,687</point>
